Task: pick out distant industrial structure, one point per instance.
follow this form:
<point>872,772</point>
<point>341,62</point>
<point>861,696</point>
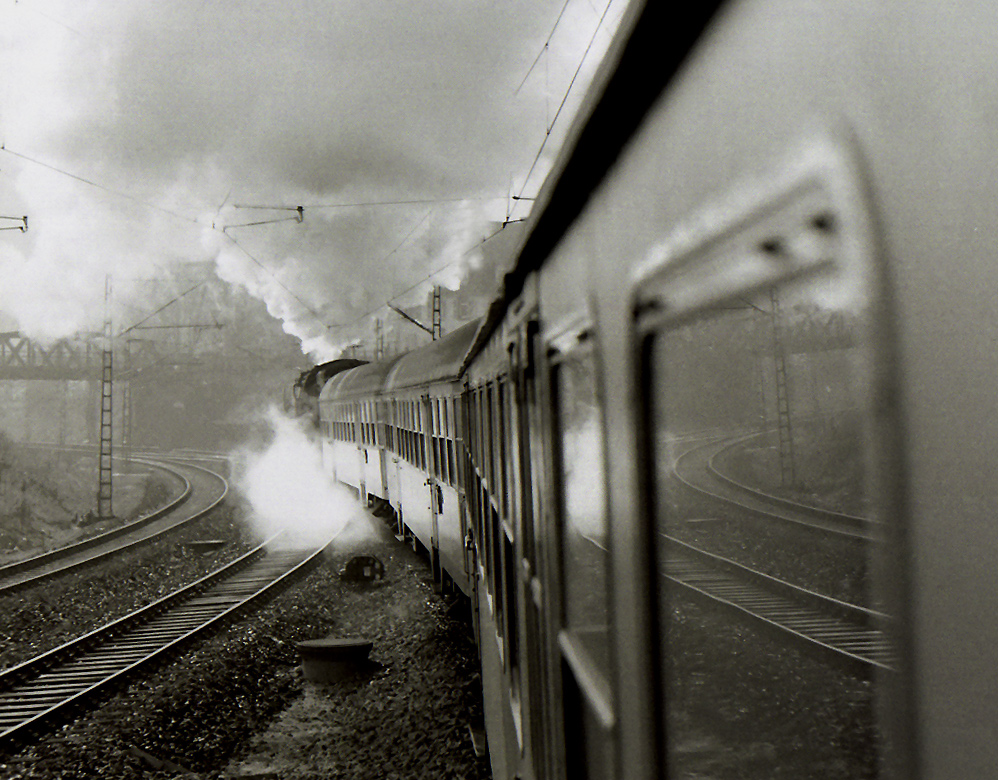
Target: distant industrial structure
<point>176,374</point>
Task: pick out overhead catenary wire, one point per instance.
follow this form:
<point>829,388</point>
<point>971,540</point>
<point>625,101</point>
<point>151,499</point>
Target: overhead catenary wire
<point>91,183</point>
<point>23,227</point>
<point>365,204</point>
<point>575,76</point>
<point>425,279</point>
<point>280,284</point>
<point>161,308</point>
<point>261,222</point>
<point>297,218</point>
<point>544,48</point>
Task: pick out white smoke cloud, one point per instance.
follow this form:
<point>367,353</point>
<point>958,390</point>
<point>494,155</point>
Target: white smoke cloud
<point>177,113</point>
<point>288,489</point>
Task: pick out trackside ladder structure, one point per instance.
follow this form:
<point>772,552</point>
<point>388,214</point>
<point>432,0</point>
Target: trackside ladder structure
<point>437,330</point>
<point>105,487</point>
<point>379,340</point>
<point>784,420</point>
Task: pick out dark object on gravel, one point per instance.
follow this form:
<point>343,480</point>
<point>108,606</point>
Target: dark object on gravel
<point>363,568</point>
<point>205,545</point>
<point>333,658</point>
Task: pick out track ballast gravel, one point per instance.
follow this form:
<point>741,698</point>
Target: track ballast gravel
<point>237,704</point>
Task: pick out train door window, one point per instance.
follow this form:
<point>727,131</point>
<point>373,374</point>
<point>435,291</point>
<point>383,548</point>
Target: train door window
<point>408,430</point>
<point>758,372</point>
<point>584,640</point>
<point>471,410</point>
<point>502,444</point>
<point>483,435</point>
<point>490,440</point>
<point>451,465</point>
<point>421,419</point>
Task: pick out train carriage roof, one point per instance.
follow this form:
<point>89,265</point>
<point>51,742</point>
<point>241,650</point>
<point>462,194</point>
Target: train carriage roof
<point>440,361</point>
<point>312,381</point>
<point>361,382</point>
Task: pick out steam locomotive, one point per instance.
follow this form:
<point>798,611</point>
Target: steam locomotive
<point>747,347</point>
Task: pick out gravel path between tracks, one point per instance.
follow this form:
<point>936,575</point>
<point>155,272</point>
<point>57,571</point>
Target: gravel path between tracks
<point>236,705</point>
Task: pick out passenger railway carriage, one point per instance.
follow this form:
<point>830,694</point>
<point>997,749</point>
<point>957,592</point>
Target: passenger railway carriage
<point>717,467</point>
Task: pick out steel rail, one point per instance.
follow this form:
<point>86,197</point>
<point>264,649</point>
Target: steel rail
<point>53,557</point>
<point>37,692</point>
<point>814,518</point>
<point>846,519</point>
<point>849,633</point>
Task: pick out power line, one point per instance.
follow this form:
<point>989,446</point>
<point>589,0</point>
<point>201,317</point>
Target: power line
<point>568,91</point>
<point>429,276</point>
<point>544,48</point>
<point>23,227</point>
<point>408,235</point>
<point>298,218</point>
<point>99,186</point>
<point>411,202</point>
<point>164,306</point>
<point>284,287</point>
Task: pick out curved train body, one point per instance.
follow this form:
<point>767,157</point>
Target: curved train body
<point>774,236</point>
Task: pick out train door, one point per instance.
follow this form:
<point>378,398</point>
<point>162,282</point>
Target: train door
<point>524,423</point>
<point>471,504</point>
<point>394,478</point>
<point>381,441</point>
<point>433,491</point>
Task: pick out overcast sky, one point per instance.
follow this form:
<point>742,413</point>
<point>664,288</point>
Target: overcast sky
<point>176,113</point>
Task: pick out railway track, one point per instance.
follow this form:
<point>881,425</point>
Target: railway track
<point>843,632</point>
<point>41,691</point>
<point>696,469</point>
<point>203,490</point>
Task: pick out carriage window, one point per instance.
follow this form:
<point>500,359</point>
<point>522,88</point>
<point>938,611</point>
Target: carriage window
<point>502,444</point>
<point>584,536</point>
<point>585,562</point>
<point>757,418</point>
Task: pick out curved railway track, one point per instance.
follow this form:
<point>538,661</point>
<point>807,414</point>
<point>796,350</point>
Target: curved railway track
<point>42,690</point>
<point>844,632</point>
<point>203,490</point>
<point>696,469</point>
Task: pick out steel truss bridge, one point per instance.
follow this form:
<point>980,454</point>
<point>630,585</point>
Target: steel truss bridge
<point>68,359</point>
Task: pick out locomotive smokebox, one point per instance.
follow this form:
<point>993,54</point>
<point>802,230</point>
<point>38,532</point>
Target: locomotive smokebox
<point>333,658</point>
